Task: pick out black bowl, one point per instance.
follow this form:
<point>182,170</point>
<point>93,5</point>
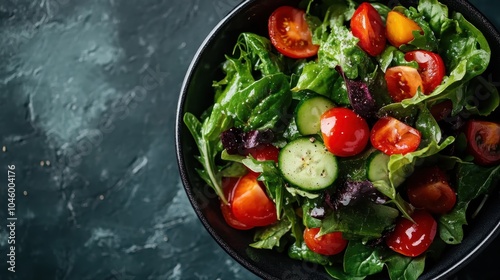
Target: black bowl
<point>196,96</point>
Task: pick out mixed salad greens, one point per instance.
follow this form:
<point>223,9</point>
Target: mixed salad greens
<point>349,126</point>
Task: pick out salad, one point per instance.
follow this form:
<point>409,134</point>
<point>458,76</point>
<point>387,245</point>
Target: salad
<point>347,127</point>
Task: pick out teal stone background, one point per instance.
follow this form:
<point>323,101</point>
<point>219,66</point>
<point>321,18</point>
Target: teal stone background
<point>88,93</point>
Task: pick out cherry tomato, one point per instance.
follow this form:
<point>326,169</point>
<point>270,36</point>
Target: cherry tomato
<point>264,152</point>
<point>290,33</point>
<point>250,204</point>
<point>228,185</point>
<point>428,188</point>
<point>344,132</point>
<point>483,141</point>
<point>400,29</point>
<point>412,239</point>
<point>392,136</point>
<point>430,66</point>
<point>327,244</point>
<point>368,27</point>
<point>402,82</point>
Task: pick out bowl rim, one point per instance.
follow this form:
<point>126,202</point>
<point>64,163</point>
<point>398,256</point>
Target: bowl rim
<point>475,13</point>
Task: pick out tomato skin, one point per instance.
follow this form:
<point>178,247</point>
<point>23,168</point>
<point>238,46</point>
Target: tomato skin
<point>264,152</point>
<point>290,34</point>
<point>428,188</point>
<point>483,141</point>
<point>328,244</point>
<point>344,132</point>
<point>399,28</point>
<point>250,204</point>
<point>431,68</point>
<point>412,239</point>
<point>392,136</point>
<point>228,185</point>
<point>402,82</point>
<point>368,27</point>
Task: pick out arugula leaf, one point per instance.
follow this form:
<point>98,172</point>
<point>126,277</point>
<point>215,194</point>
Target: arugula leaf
<point>262,104</point>
<point>468,176</point>
<point>259,51</point>
<point>208,150</point>
<point>341,48</point>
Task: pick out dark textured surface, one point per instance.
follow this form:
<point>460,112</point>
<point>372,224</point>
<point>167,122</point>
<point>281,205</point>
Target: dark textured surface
<point>88,91</point>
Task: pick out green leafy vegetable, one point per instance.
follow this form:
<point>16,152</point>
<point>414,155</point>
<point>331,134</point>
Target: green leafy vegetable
<point>269,237</point>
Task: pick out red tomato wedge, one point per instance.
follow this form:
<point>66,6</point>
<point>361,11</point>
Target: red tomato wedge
<point>250,204</point>
<point>228,185</point>
<point>290,33</point>
<point>392,136</point>
<point>483,141</point>
<point>344,132</point>
<point>327,244</point>
<point>428,188</point>
<point>430,66</point>
<point>368,27</point>
<point>402,82</point>
<point>412,239</point>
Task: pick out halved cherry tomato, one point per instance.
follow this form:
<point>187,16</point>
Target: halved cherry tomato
<point>344,132</point>
<point>430,66</point>
<point>402,82</point>
<point>400,29</point>
<point>368,27</point>
<point>428,188</point>
<point>264,152</point>
<point>327,244</point>
<point>228,185</point>
<point>250,204</point>
<point>392,136</point>
<point>483,141</point>
<point>412,239</point>
<point>290,33</point>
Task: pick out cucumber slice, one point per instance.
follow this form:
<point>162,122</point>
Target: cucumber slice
<point>308,113</point>
<point>306,163</point>
<point>376,166</point>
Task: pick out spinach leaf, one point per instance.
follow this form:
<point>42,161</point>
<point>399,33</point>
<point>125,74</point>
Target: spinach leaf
<point>436,13</point>
<point>392,56</point>
<point>361,260</point>
<point>318,78</point>
<point>269,237</point>
<point>482,97</point>
<point>238,75</point>
<point>339,274</point>
<point>302,253</point>
<point>365,221</point>
<point>428,126</point>
<point>404,268</point>
<point>468,175</point>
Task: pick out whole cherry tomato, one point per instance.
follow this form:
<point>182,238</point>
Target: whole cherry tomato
<point>392,136</point>
<point>327,244</point>
<point>411,239</point>
<point>428,188</point>
<point>368,27</point>
<point>344,132</point>
<point>290,33</point>
<point>430,66</point>
<point>483,141</point>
